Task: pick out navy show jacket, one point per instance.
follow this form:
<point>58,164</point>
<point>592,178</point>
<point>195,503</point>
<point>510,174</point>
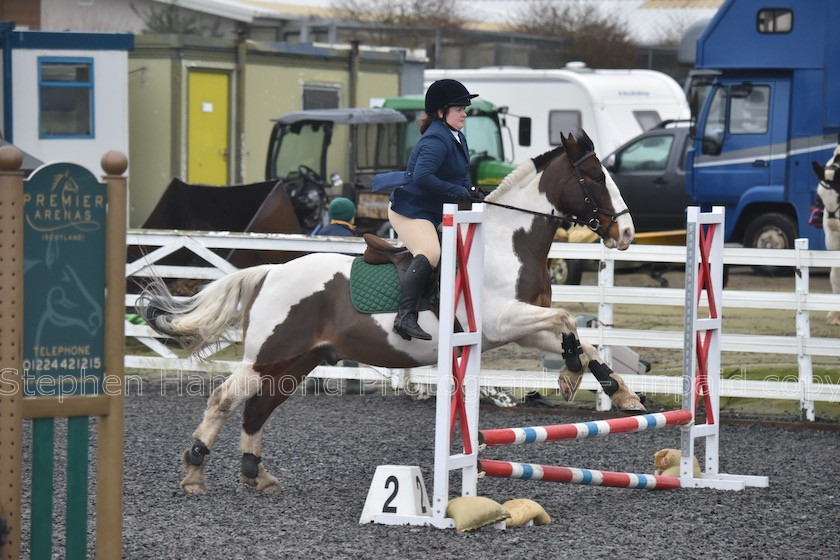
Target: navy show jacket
<point>437,172</point>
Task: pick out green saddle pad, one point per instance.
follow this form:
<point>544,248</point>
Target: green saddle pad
<point>375,288</point>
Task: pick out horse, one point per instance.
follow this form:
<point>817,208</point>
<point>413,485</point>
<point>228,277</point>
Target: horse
<point>297,315</point>
<point>829,192</point>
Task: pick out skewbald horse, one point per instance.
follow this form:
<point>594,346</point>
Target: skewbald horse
<point>829,192</point>
<point>297,315</point>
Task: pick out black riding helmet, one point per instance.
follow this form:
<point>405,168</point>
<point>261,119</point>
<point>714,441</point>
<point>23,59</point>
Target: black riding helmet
<point>446,93</point>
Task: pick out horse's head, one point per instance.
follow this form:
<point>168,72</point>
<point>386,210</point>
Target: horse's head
<point>578,185</point>
<point>69,303</point>
<point>829,189</point>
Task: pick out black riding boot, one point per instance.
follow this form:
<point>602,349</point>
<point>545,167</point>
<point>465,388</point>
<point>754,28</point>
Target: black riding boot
<point>413,287</point>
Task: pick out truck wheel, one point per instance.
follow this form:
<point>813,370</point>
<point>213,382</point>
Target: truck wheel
<point>770,231</point>
<point>565,271</point>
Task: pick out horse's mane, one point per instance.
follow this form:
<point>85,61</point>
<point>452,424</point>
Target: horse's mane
<point>512,179</point>
<point>536,164</point>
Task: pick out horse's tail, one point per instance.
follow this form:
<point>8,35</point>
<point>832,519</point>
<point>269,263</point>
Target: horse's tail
<point>208,316</point>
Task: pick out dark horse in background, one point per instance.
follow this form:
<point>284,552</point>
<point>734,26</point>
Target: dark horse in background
<point>297,315</point>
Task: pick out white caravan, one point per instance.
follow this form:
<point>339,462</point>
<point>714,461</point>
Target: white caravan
<point>612,106</point>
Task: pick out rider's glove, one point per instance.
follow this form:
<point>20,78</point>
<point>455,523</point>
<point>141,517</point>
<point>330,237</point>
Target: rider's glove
<point>476,194</point>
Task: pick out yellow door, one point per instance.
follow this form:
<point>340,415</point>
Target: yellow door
<point>207,123</point>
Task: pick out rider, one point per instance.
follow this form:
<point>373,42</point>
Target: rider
<point>437,172</point>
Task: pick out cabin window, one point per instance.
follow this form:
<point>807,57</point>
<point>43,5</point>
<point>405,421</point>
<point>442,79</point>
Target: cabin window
<point>65,98</point>
<point>562,122</point>
<point>774,20</point>
<point>748,114</point>
<point>320,97</point>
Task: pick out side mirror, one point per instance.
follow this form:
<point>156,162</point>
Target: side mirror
<point>711,146</point>
<point>525,131</point>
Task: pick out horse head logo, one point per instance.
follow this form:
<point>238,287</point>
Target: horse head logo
<point>67,303</point>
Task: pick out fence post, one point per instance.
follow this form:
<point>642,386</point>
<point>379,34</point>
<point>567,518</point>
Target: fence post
<point>109,485</point>
<point>606,318</point>
<point>803,331</point>
<point>11,344</point>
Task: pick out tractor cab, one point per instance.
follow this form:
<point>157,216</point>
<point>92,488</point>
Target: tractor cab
<point>298,155</point>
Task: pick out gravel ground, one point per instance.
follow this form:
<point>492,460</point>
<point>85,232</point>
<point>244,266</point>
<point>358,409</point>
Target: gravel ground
<point>324,449</point>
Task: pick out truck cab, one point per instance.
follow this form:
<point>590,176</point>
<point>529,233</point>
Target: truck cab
<point>767,103</point>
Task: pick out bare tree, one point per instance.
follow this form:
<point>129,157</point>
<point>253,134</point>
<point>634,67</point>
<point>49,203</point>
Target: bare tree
<point>600,40</point>
<point>171,18</point>
<point>410,23</point>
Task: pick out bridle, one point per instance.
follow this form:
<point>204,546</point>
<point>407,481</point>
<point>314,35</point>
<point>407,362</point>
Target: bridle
<point>588,198</point>
<point>829,174</point>
<point>565,221</point>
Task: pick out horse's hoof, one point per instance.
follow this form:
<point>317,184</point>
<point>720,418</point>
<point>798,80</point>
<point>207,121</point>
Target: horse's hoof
<point>190,488</point>
<point>263,482</point>
<point>250,481</point>
<point>631,407</point>
<point>270,486</point>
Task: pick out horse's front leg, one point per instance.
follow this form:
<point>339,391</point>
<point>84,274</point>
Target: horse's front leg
<point>612,384</point>
<point>833,317</point>
<point>521,320</point>
<point>225,399</point>
<point>554,330</point>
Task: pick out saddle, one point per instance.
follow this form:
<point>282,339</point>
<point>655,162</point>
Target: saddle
<point>377,289</point>
<point>379,251</point>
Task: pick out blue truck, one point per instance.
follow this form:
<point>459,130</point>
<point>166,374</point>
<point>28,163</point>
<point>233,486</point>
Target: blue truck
<point>765,94</point>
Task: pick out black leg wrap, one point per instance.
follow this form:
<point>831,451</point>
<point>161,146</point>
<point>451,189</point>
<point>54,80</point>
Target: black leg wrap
<point>196,453</point>
<point>571,351</point>
<point>602,374</point>
<point>251,465</point>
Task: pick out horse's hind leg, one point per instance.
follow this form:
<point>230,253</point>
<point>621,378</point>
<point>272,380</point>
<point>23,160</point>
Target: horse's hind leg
<point>276,389</point>
<point>225,399</point>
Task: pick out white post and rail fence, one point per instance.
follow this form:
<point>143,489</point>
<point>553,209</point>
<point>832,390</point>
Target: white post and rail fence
<point>799,349</point>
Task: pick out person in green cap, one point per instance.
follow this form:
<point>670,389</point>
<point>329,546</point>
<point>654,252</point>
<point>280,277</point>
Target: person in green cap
<point>342,214</point>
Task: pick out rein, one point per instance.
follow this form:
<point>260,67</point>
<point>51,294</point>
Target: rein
<point>567,221</point>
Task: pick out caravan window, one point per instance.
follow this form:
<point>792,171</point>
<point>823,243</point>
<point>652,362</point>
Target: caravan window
<point>65,97</point>
<point>647,119</point>
<point>562,122</point>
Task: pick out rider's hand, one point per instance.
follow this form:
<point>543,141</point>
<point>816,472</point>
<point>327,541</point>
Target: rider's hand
<point>476,194</point>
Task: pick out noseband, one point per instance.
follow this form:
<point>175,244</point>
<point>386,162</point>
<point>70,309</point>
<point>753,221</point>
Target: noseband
<point>589,199</point>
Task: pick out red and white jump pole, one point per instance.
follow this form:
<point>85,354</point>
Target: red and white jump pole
<point>570,475</point>
<point>582,430</point>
